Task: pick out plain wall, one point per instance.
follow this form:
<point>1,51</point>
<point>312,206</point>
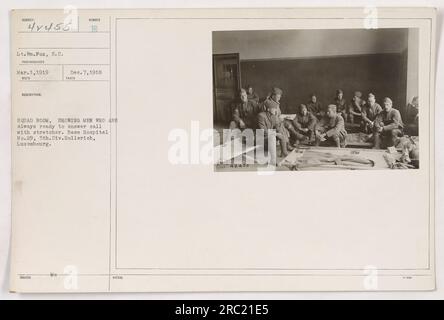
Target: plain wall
<point>305,61</point>
<point>275,44</point>
<point>412,63</point>
<point>298,78</point>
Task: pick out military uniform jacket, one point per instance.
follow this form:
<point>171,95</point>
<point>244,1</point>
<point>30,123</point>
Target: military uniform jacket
<point>389,120</point>
<point>356,109</point>
<point>263,108</point>
<point>332,126</point>
<point>412,114</point>
<point>341,104</point>
<point>267,121</point>
<point>307,121</point>
<point>247,112</point>
<point>370,112</point>
<point>314,107</point>
<point>253,97</point>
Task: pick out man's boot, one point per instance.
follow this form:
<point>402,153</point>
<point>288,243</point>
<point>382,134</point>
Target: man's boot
<point>284,150</point>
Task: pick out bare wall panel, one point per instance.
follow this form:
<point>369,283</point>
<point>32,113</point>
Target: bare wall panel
<point>381,74</point>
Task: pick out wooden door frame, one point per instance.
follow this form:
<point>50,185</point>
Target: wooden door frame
<point>220,55</point>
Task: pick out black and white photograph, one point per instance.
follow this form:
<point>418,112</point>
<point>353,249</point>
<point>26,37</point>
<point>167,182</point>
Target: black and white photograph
<point>324,99</point>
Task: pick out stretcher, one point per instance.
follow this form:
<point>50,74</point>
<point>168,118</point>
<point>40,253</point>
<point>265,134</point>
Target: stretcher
<point>325,158</point>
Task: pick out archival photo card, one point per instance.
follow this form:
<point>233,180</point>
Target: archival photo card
<point>151,150</point>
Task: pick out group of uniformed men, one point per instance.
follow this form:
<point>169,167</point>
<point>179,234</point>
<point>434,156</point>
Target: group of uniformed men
<point>315,125</point>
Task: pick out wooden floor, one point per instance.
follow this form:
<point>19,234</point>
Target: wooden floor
<point>359,146</point>
<point>376,157</point>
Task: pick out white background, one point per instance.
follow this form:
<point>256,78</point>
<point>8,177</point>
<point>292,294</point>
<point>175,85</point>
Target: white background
<point>6,5</point>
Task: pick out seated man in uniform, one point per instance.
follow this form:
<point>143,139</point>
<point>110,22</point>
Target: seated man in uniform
<point>274,97</point>
<point>331,130</point>
<point>302,127</point>
<point>341,103</point>
<point>369,113</point>
<point>314,106</point>
<point>269,120</point>
<point>244,113</point>
<point>412,111</point>
<point>388,126</point>
<point>412,117</point>
<point>354,112</point>
<point>251,95</point>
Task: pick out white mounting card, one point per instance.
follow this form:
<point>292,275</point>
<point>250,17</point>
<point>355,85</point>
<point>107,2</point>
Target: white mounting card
<point>116,115</point>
